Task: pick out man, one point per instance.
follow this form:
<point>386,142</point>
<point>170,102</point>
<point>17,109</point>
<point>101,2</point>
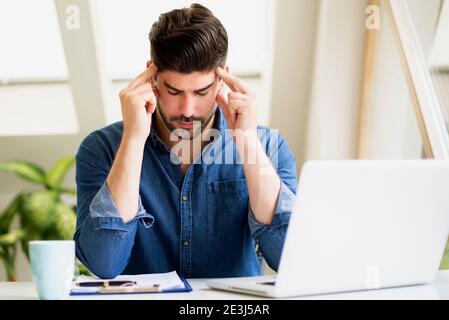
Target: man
<point>147,203</point>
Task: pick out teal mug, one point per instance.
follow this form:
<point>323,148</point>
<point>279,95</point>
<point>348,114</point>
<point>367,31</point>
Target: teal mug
<point>53,266</point>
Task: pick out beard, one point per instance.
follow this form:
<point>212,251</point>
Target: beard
<point>195,131</point>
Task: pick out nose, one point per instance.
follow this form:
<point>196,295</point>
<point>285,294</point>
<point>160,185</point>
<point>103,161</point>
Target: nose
<point>187,106</point>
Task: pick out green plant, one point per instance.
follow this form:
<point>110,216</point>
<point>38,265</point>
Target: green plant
<point>42,213</point>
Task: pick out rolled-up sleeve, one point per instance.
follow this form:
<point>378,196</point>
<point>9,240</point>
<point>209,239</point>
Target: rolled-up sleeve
<point>281,217</point>
<point>105,215</point>
<point>271,237</point>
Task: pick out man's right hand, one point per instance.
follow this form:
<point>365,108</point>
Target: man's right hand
<point>138,102</point>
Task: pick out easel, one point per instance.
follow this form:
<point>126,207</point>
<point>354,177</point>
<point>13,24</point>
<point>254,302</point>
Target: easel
<point>427,108</point>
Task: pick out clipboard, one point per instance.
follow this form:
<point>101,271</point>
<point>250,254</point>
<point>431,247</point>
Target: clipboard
<point>133,290</point>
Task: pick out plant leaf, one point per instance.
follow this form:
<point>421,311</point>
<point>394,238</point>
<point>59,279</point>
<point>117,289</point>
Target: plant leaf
<point>55,176</point>
<point>11,238</point>
<point>37,212</point>
<point>24,169</point>
<point>8,215</point>
<point>81,269</point>
<point>65,222</point>
<point>68,191</point>
<point>29,236</point>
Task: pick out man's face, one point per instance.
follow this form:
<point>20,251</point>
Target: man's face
<point>187,101</point>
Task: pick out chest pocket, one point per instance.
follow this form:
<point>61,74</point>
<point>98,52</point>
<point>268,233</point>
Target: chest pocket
<point>227,208</point>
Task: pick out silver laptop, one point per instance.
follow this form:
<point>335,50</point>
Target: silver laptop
<point>359,225</point>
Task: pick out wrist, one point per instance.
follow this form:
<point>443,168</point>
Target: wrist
<point>133,140</point>
<point>246,138</point>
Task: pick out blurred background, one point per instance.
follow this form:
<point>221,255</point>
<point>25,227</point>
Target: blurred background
<point>333,76</point>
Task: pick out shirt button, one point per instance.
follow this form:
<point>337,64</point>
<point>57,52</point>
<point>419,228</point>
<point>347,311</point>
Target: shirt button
<point>184,198</point>
<point>185,243</point>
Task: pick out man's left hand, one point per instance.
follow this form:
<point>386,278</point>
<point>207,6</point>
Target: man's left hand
<point>239,105</point>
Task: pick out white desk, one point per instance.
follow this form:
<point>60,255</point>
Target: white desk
<point>437,290</point>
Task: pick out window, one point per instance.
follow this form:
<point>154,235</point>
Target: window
<point>35,97</point>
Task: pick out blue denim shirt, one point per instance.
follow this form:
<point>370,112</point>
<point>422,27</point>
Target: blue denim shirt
<point>200,225</point>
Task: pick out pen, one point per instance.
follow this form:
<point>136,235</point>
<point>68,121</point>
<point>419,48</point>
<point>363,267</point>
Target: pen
<point>106,283</point>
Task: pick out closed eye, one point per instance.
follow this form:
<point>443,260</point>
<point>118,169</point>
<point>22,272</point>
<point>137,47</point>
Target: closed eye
<point>202,93</point>
<point>174,93</point>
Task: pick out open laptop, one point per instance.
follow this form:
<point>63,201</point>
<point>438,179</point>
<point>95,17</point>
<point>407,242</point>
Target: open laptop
<point>358,225</point>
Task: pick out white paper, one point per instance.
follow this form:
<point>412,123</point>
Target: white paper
<point>168,280</point>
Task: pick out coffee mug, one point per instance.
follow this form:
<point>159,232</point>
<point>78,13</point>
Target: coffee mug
<point>52,266</point>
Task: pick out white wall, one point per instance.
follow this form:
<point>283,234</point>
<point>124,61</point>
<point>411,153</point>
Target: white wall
<point>124,26</point>
<point>293,60</point>
<point>337,82</point>
<point>27,109</point>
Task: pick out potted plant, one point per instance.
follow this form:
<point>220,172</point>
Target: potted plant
<point>42,214</point>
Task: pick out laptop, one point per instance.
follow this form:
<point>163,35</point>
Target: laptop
<point>359,225</point>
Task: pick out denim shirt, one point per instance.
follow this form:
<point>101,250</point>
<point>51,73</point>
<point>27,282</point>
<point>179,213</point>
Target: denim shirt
<point>200,224</point>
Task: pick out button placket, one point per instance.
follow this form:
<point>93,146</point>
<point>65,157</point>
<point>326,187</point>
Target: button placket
<point>186,223</point>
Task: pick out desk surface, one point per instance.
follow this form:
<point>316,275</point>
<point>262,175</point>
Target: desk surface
<point>439,289</point>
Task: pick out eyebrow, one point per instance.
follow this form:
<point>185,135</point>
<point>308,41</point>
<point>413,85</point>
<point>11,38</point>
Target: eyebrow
<point>199,90</point>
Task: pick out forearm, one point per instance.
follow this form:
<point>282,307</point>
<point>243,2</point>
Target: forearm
<point>104,251</point>
<point>124,178</point>
<point>262,180</point>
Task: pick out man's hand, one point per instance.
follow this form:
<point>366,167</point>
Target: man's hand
<point>138,104</point>
<point>239,108</point>
<point>239,105</point>
<point>138,101</point>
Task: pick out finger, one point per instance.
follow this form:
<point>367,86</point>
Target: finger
<point>142,88</point>
<point>151,104</point>
<point>151,107</point>
<point>144,76</point>
<point>223,104</point>
<point>222,99</point>
<point>236,105</point>
<point>146,97</point>
<point>231,81</point>
<point>237,96</point>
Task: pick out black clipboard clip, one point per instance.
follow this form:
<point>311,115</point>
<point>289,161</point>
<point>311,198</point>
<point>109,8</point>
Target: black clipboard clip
<point>107,283</point>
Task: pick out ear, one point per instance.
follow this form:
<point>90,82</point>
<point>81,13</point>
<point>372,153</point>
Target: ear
<point>149,62</point>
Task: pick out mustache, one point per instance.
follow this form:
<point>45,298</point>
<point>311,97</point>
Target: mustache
<point>186,119</point>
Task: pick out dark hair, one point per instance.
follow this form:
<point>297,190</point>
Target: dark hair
<point>187,40</point>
